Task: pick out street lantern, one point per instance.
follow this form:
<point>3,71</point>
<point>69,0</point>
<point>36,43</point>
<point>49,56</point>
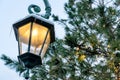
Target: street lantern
<point>34,34</point>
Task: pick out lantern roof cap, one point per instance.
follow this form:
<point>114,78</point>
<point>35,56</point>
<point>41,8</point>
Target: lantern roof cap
<point>37,16</point>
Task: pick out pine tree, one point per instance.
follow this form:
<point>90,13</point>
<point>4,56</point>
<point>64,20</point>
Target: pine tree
<point>90,49</point>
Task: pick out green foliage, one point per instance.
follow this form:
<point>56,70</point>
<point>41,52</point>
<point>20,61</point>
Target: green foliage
<point>89,49</point>
<point>13,64</point>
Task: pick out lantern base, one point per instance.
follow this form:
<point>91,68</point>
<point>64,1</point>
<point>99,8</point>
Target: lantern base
<point>30,60</point>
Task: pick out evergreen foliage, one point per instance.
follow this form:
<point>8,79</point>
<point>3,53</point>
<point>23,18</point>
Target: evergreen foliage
<point>90,49</point>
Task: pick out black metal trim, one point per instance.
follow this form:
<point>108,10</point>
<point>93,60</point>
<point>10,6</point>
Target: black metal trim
<point>30,60</point>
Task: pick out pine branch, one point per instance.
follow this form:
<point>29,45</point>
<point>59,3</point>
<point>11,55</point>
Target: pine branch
<point>13,64</point>
<point>7,60</point>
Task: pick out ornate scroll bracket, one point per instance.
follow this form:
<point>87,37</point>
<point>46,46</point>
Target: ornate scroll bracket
<point>34,9</point>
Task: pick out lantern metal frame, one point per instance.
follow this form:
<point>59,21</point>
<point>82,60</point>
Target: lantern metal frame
<point>30,60</point>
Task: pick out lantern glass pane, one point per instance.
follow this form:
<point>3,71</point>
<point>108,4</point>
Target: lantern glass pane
<point>23,47</point>
<point>44,49</point>
<point>38,35</point>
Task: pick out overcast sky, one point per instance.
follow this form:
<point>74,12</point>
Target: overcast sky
<point>10,12</point>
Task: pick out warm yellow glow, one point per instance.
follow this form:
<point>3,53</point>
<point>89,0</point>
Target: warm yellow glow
<point>38,34</point>
<point>108,46</point>
<point>77,48</point>
<point>35,32</point>
<point>81,57</point>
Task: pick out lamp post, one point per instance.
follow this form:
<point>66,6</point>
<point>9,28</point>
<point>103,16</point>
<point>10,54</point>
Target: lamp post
<point>34,33</point>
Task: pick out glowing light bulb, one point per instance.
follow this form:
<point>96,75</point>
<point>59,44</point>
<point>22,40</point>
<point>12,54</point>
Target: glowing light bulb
<point>35,32</point>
